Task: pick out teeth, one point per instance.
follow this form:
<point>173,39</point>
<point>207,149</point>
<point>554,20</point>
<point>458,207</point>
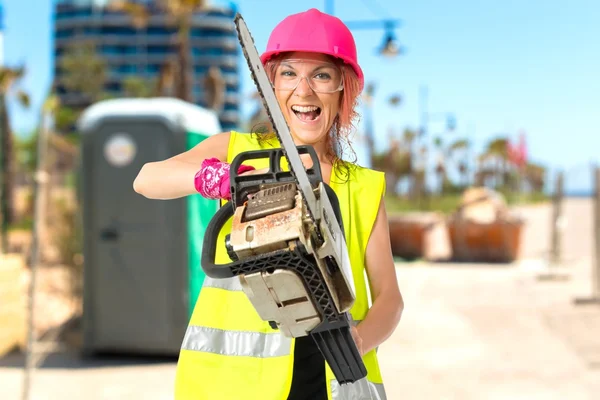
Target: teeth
<point>305,108</point>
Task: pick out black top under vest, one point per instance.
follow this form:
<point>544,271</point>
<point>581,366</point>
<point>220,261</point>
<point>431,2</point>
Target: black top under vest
<point>308,380</point>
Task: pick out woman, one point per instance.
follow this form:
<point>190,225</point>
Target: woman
<point>228,352</point>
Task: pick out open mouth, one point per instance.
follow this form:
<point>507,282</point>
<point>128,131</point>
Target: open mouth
<point>307,113</point>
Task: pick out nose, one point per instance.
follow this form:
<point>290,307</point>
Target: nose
<point>303,88</point>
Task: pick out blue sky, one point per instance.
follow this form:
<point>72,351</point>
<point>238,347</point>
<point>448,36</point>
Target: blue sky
<point>500,67</point>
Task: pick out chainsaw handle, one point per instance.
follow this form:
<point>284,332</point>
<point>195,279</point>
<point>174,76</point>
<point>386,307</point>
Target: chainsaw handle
<point>241,185</point>
<point>209,245</point>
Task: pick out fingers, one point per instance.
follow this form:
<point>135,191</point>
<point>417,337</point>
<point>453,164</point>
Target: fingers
<point>357,340</point>
<point>256,171</point>
<point>306,160</point>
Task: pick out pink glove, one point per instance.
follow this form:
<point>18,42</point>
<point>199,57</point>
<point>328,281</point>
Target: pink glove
<point>212,181</point>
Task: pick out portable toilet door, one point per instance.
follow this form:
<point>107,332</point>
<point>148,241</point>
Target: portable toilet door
<point>141,275</point>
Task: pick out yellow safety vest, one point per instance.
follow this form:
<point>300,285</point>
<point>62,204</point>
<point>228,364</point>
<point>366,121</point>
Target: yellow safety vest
<point>229,353</point>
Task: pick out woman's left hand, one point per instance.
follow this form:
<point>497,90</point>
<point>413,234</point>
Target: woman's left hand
<point>384,314</point>
<point>357,340</point>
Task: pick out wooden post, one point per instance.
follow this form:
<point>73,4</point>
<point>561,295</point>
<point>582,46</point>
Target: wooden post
<point>39,217</point>
<point>3,174</point>
<point>557,201</point>
<point>554,270</point>
<point>596,264</point>
<point>594,298</point>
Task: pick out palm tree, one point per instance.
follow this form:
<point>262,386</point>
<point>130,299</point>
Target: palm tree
<point>408,141</point>
<point>535,175</point>
<point>84,70</point>
<point>167,77</point>
<point>259,120</point>
<point>84,73</point>
<point>459,151</point>
<point>140,17</point>
<point>395,100</point>
<point>182,11</point>
<point>395,162</point>
<point>180,14</point>
<point>9,79</point>
<point>496,152</point>
<point>134,86</point>
<point>440,167</point>
<point>214,89</point>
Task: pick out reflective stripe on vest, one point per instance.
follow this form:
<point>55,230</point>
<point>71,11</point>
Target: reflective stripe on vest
<point>254,344</point>
<point>359,390</point>
<point>235,343</point>
<point>232,284</point>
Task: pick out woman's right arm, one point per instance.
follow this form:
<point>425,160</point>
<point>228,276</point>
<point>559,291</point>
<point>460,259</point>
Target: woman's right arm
<point>174,177</point>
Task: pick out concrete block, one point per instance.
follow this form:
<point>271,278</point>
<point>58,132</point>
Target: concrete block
<point>419,235</point>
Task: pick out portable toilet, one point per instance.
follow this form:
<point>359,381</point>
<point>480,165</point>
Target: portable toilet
<point>142,272</point>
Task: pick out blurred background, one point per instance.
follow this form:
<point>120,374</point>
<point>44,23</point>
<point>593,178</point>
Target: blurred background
<point>483,115</point>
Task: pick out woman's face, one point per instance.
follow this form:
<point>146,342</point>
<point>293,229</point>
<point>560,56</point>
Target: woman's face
<point>308,87</point>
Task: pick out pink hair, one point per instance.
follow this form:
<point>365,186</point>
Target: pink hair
<point>343,126</point>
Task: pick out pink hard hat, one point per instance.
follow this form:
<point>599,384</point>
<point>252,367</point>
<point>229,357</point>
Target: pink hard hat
<point>315,32</point>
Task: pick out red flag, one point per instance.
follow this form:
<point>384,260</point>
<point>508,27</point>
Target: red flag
<point>522,150</point>
<point>517,154</point>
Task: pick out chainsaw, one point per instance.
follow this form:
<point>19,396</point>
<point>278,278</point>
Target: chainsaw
<point>287,243</point>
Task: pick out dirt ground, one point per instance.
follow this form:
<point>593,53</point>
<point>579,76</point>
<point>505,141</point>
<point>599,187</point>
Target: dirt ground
<point>55,303</point>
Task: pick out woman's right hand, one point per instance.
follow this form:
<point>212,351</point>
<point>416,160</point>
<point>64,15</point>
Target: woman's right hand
<point>213,180</point>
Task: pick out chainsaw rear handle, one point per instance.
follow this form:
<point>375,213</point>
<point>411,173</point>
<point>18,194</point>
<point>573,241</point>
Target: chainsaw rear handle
<point>242,185</point>
<point>209,248</point>
<point>209,244</point>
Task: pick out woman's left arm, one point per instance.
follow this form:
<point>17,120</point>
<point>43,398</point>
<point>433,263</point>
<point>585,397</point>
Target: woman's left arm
<point>384,315</point>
